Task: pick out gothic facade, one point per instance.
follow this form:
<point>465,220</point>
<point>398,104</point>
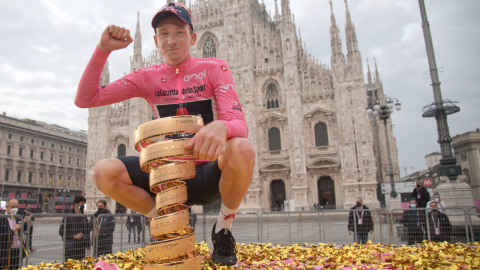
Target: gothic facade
<point>315,142</point>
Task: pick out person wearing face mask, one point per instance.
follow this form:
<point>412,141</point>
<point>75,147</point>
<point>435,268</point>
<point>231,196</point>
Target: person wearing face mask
<point>412,220</point>
<point>76,228</point>
<point>439,224</point>
<point>103,228</point>
<point>440,203</point>
<point>362,221</point>
<point>11,244</point>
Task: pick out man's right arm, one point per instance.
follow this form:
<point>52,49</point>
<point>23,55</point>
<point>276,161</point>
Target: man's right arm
<point>89,93</point>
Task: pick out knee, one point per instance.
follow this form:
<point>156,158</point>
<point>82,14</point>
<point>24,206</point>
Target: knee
<point>243,151</point>
<point>103,175</point>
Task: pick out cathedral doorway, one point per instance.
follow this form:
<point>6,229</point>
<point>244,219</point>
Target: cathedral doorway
<point>277,195</point>
<point>326,192</point>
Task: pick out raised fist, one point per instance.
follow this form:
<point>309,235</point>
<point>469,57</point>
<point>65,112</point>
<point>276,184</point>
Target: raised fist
<point>114,38</point>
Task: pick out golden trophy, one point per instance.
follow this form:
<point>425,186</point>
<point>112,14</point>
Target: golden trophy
<point>175,248</point>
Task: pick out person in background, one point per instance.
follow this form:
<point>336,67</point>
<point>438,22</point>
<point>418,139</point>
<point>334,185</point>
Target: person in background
<point>439,225</point>
<point>363,221</point>
<point>10,242</point>
<point>27,213</point>
<point>103,229</point>
<point>421,194</point>
<point>192,218</point>
<point>412,220</point>
<point>139,227</point>
<point>77,231</point>
<point>440,203</point>
<point>132,222</point>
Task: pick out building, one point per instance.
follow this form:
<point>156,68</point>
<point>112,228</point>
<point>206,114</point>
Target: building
<point>467,150</point>
<point>41,164</point>
<point>315,142</point>
<point>433,159</point>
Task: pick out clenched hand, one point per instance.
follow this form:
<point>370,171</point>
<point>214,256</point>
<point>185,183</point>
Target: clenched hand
<point>114,38</point>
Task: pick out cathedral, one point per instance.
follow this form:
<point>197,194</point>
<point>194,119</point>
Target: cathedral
<point>315,142</point>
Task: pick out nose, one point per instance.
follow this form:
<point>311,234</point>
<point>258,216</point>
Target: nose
<point>171,40</point>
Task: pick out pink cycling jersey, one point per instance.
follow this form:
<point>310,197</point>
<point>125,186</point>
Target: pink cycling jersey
<point>199,86</point>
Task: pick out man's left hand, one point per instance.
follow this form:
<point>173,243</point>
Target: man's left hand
<point>371,231</point>
<point>25,219</point>
<point>209,141</point>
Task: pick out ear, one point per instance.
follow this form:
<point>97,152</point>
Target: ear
<point>193,39</point>
<point>155,40</point>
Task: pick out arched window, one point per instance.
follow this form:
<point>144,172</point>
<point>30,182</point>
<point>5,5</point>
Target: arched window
<point>272,96</point>
<point>321,134</point>
<point>209,48</point>
<point>274,142</point>
<point>122,150</point>
<point>313,86</point>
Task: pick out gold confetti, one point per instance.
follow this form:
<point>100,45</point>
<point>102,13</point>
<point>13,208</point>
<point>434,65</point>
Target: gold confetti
<point>428,255</point>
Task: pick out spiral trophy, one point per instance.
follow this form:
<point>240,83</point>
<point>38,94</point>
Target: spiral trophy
<point>175,248</point>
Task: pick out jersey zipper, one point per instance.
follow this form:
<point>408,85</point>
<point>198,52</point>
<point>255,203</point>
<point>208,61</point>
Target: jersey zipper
<point>178,79</point>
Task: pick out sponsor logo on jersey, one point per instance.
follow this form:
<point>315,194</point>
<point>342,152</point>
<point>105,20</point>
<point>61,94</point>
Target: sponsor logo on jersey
<point>171,99</point>
<point>163,93</point>
<point>200,75</point>
<point>152,69</point>
<point>194,89</point>
<point>224,68</point>
<point>208,61</point>
<point>163,80</point>
<point>125,82</point>
<point>225,88</point>
<point>236,107</point>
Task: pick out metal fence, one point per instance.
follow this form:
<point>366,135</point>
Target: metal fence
<point>59,237</point>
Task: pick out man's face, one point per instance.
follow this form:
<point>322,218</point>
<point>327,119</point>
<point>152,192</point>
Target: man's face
<point>173,39</point>
<point>12,204</point>
<point>436,197</point>
<point>77,205</point>
<point>100,205</point>
<point>433,205</point>
<point>413,202</point>
<point>419,185</point>
<point>359,201</point>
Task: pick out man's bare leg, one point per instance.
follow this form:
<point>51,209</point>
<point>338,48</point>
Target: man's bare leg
<point>111,177</point>
<point>236,163</point>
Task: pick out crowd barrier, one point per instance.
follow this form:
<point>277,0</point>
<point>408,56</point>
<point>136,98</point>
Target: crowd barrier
<point>51,236</point>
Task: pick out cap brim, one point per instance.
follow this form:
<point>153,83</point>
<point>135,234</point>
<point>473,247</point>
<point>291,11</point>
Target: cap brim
<point>162,15</point>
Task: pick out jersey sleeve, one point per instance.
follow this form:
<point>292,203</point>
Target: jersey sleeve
<point>90,94</point>
<point>228,108</point>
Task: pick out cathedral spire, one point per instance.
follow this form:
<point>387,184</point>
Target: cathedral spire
<point>352,43</point>
<point>286,12</point>
<point>105,77</point>
<point>277,14</point>
<point>136,61</point>
<point>137,48</point>
<point>377,76</point>
<point>300,39</point>
<point>369,75</point>
<point>336,42</point>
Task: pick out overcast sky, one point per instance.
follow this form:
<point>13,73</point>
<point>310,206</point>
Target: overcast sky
<point>45,46</point>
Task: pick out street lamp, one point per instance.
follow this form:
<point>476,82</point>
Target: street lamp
<point>384,112</point>
<point>440,108</point>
